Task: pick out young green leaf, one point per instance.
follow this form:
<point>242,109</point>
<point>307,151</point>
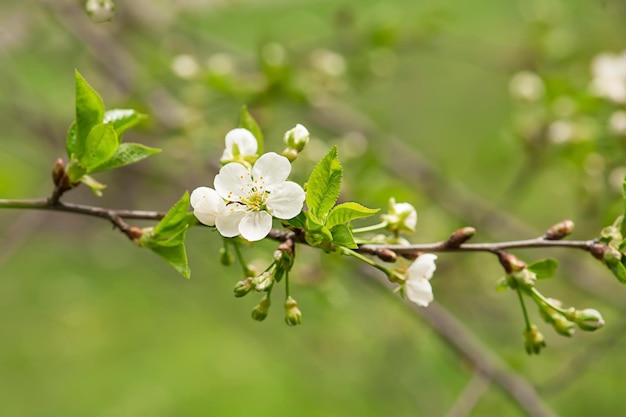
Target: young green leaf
<point>100,145</point>
<point>176,256</point>
<point>248,122</point>
<point>346,212</point>
<point>70,142</point>
<point>618,270</point>
<point>545,268</point>
<point>123,119</point>
<point>175,221</point>
<point>342,236</point>
<point>316,233</point>
<point>125,154</point>
<point>324,184</point>
<point>89,113</point>
<point>75,171</point>
<point>94,185</point>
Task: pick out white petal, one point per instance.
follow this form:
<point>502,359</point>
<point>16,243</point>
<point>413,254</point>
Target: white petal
<point>285,200</point>
<point>423,267</point>
<point>271,168</point>
<point>233,181</point>
<point>228,222</point>
<point>419,291</point>
<point>200,194</point>
<point>207,205</point>
<point>245,141</point>
<point>255,225</point>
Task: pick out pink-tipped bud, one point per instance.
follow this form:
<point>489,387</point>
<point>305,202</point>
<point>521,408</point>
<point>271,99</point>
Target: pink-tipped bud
<point>559,230</point>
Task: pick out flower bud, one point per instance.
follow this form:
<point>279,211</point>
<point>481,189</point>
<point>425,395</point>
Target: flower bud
<point>260,312</point>
<point>563,326</point>
<point>387,255</point>
<point>263,281</point>
<point>100,10</point>
<point>559,230</point>
<point>510,263</point>
<point>297,138</point>
<point>243,287</point>
<point>589,319</point>
<point>58,171</point>
<point>458,237</point>
<point>293,315</point>
<point>226,257</point>
<point>533,340</point>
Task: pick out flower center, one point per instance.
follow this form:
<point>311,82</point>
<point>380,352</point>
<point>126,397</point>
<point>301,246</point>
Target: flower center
<point>255,195</point>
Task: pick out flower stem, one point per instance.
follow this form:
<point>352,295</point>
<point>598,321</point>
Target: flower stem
<point>539,298</point>
<point>524,312</point>
<point>368,261</point>
<point>371,228</point>
<point>246,271</point>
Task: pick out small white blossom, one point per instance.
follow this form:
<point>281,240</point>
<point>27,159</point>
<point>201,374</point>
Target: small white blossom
<point>609,76</point>
<point>240,144</point>
<point>254,196</point>
<point>401,216</point>
<point>417,286</point>
<point>207,205</point>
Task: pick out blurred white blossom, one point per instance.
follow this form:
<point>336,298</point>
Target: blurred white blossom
<point>609,76</point>
<point>617,122</point>
<point>527,86</point>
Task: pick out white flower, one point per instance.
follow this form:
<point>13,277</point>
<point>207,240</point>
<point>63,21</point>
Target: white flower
<point>207,205</point>
<point>417,286</point>
<point>253,197</point>
<point>240,143</point>
<point>401,216</point>
<point>609,76</point>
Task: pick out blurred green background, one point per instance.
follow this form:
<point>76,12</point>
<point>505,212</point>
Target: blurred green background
<point>415,94</point>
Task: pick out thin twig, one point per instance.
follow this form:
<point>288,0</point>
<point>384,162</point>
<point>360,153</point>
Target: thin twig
<point>485,361</point>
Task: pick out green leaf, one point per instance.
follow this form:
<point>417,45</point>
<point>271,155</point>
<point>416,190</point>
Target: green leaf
<point>70,142</point>
<point>125,154</point>
<point>123,119</point>
<point>342,236</point>
<point>299,221</point>
<point>75,171</point>
<point>346,212</point>
<point>176,256</point>
<point>545,268</point>
<point>89,113</point>
<point>324,184</point>
<point>95,186</point>
<point>248,122</point>
<point>175,220</point>
<point>618,270</point>
<point>316,233</point>
<point>502,284</point>
<point>100,145</point>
